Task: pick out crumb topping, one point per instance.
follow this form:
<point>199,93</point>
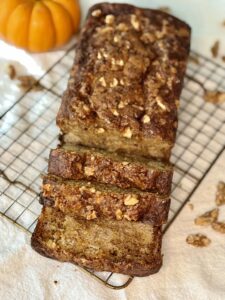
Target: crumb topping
<point>133,65</point>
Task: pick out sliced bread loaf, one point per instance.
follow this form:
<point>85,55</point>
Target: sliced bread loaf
<point>77,162</point>
<point>131,248</point>
<point>93,201</point>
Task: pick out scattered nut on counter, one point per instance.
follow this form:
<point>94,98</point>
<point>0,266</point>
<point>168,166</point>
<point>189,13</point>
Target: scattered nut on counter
<point>198,240</point>
<point>215,49</point>
<point>207,218</point>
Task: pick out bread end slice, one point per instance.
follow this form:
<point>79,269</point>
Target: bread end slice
<point>131,248</point>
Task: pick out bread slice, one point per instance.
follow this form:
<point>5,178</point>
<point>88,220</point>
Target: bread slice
<point>93,201</point>
<point>77,162</point>
<point>131,248</point>
<point>126,81</point>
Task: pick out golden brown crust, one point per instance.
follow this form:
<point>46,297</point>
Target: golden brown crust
<point>127,78</point>
<point>81,163</point>
<point>94,201</point>
<point>149,263</point>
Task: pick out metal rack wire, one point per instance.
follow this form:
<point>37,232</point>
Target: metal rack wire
<point>28,132</point>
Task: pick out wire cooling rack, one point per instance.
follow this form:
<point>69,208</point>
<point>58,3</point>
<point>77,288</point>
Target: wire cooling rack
<point>28,132</point>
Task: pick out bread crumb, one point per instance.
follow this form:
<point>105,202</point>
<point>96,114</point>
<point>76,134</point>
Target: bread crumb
<point>198,240</point>
<point>219,227</point>
<point>215,97</point>
<point>207,218</point>
<point>215,49</point>
<point>220,193</point>
<point>194,59</point>
<point>191,206</point>
<point>11,71</point>
<point>28,82</point>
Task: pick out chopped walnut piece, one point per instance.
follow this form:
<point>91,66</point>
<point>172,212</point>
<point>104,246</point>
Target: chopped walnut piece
<point>220,193</point>
<point>100,130</point>
<point>29,82</point>
<point>86,108</point>
<point>134,22</point>
<point>127,133</point>
<point>215,49</point>
<point>215,97</point>
<point>121,104</point>
<point>160,103</point>
<point>105,54</point>
<point>115,112</point>
<point>116,39</point>
<point>121,82</point>
<point>148,37</point>
<point>109,19</point>
<point>89,171</point>
<point>219,226</point>
<point>122,27</point>
<point>145,119</point>
<point>119,214</point>
<point>82,188</point>
<point>118,62</point>
<point>11,72</point>
<point>194,59</point>
<point>92,190</point>
<point>207,218</point>
<point>99,56</point>
<point>51,244</point>
<point>131,200</point>
<point>102,81</point>
<point>114,83</point>
<point>91,215</point>
<point>96,13</point>
<point>198,240</point>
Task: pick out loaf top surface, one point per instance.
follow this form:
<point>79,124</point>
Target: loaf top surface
<point>128,72</point>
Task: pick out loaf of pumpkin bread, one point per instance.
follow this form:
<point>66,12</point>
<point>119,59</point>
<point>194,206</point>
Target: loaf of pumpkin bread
<point>126,81</point>
<point>92,201</point>
<point>82,163</point>
<point>132,248</point>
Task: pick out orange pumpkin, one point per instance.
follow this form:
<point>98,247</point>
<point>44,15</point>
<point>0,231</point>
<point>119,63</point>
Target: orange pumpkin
<point>38,25</point>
